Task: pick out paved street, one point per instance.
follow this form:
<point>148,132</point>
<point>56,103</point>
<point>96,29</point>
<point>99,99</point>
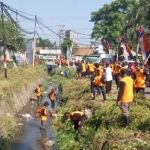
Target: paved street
<point>147,92</point>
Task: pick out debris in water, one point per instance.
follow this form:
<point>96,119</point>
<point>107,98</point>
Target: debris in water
<point>8,114</point>
<point>20,124</point>
<point>141,141</point>
<point>49,143</point>
<point>88,112</point>
<point>26,115</point>
<point>55,115</point>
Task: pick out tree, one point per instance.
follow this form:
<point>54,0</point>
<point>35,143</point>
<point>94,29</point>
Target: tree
<point>43,43</point>
<point>66,43</point>
<point>110,20</point>
<point>14,39</point>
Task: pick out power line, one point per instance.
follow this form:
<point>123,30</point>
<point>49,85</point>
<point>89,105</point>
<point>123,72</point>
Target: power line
<point>40,22</point>
<point>80,33</point>
<point>15,10</point>
<point>42,30</point>
<point>15,23</point>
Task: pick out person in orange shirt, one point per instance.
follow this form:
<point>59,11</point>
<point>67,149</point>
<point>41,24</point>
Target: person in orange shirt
<point>125,95</point>
<point>116,71</point>
<point>83,69</point>
<point>38,92</point>
<point>98,85</point>
<point>139,82</point>
<point>52,97</point>
<point>91,68</point>
<point>44,115</point>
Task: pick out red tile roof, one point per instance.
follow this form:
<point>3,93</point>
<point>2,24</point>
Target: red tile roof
<point>83,51</point>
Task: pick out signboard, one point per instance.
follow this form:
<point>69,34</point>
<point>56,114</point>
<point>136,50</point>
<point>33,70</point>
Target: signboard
<point>51,51</point>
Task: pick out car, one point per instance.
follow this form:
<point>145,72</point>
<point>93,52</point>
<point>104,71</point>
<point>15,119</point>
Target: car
<point>106,60</point>
<point>128,62</point>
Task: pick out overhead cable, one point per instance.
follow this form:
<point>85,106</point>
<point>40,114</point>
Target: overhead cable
<point>15,23</point>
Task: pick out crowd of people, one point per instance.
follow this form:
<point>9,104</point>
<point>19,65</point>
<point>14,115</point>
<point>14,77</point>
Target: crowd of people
<point>129,78</point>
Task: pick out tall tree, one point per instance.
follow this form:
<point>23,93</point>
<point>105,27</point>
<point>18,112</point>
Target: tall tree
<point>66,43</point>
<point>14,39</point>
<point>110,20</point>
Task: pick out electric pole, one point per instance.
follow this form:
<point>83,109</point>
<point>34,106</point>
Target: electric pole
<point>3,40</point>
<point>34,42</point>
<point>61,34</point>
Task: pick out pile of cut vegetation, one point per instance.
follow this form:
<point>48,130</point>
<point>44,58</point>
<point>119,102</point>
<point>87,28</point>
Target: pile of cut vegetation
<point>104,129</point>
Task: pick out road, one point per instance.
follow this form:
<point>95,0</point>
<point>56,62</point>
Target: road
<point>147,92</point>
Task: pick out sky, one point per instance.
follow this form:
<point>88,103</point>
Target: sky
<point>58,14</point>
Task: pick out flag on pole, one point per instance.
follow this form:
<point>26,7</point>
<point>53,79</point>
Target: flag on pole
<point>106,44</point>
<point>143,40</point>
<point>126,47</point>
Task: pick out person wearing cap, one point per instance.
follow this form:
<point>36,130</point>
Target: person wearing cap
<point>125,95</point>
<point>78,118</point>
<point>39,94</point>
<point>44,115</point>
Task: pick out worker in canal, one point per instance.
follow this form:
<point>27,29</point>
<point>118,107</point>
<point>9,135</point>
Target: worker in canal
<point>78,118</point>
<point>38,92</point>
<point>52,97</point>
<point>43,115</point>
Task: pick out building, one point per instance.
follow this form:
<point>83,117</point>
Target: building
<point>82,51</point>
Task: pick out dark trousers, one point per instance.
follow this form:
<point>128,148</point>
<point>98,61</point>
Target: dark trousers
<point>99,89</point>
<point>108,86</point>
<point>52,104</point>
<point>117,79</point>
<point>39,100</point>
<point>83,74</point>
<point>91,86</point>
<point>76,125</point>
<point>139,90</point>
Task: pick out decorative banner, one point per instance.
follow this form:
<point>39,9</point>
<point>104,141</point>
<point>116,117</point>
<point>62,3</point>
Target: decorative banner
<point>143,39</point>
<point>125,53</point>
<point>106,44</point>
<point>127,47</point>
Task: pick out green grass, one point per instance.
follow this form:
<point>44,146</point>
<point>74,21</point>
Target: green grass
<point>102,131</point>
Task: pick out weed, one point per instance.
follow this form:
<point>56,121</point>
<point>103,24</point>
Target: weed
<point>102,131</point>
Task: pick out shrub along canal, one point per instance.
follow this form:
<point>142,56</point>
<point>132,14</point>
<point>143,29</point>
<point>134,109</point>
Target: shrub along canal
<point>30,137</point>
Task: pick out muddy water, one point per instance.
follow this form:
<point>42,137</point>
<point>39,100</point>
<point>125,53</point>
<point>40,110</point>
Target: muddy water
<point>30,137</point>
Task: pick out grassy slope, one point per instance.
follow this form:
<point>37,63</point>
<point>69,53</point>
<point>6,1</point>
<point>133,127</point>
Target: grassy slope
<point>17,78</point>
<point>103,131</point>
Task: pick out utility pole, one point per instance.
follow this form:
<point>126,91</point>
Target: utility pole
<point>137,47</point>
<point>60,37</point>
<point>34,42</point>
<point>3,40</point>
